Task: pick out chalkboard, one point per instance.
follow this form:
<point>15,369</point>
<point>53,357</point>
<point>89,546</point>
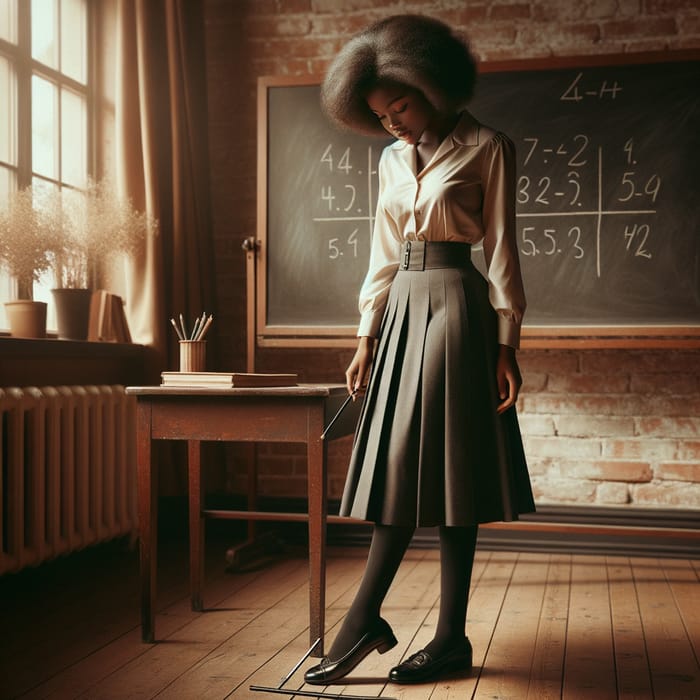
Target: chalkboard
<point>607,210</point>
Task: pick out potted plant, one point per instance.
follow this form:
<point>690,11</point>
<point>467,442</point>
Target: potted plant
<point>94,226</point>
<point>27,242</point>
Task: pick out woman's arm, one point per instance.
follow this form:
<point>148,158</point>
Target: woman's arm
<point>508,377</point>
<point>357,373</point>
<point>500,245</point>
<point>385,251</point>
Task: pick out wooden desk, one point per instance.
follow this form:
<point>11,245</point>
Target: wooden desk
<point>287,414</point>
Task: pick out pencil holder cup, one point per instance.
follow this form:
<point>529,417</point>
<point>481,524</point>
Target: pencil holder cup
<point>193,355</point>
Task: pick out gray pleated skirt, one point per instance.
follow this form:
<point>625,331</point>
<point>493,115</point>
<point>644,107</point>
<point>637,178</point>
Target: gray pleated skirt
<point>429,448</point>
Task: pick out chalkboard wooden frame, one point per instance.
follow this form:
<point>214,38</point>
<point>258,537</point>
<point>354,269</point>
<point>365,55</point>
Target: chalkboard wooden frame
<point>678,335</point>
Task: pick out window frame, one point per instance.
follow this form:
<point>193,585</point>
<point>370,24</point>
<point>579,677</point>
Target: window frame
<point>25,66</point>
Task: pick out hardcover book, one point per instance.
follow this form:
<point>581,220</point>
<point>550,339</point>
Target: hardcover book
<point>228,379</point>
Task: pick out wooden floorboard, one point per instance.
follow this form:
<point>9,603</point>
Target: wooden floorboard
<point>543,626</point>
<point>550,643</point>
<point>631,660</point>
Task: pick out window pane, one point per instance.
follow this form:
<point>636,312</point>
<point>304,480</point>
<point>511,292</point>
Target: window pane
<point>73,139</point>
<point>8,114</point>
<point>8,20</point>
<point>44,127</point>
<point>7,288</point>
<point>45,32</point>
<point>74,39</point>
<point>41,291</point>
<point>7,292</point>
<point>7,182</point>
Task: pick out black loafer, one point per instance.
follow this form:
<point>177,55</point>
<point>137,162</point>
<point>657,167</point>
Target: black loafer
<point>381,638</point>
<point>423,667</point>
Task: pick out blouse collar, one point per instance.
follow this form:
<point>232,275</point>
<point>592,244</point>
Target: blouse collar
<point>465,133</point>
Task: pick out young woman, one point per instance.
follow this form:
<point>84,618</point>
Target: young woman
<point>438,442</point>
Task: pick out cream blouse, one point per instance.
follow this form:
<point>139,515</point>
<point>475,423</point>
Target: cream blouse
<point>465,193</point>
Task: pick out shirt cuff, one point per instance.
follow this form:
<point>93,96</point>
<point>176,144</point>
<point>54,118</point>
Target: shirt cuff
<point>508,332</point>
<point>370,323</point>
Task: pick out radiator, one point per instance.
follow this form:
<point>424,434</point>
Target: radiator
<point>68,470</point>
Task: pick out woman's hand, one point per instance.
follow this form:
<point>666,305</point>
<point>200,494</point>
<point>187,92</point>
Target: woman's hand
<point>508,377</point>
<point>357,373</point>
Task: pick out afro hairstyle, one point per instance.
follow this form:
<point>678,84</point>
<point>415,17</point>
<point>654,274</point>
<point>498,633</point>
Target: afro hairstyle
<point>414,50</point>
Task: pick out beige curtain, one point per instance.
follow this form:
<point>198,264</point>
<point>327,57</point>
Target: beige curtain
<point>161,162</point>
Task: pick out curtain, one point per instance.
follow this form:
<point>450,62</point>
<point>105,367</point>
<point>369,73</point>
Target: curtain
<point>161,163</point>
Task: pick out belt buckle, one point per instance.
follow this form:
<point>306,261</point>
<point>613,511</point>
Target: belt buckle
<point>406,255</point>
<point>416,259</point>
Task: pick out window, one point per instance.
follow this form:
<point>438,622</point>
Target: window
<point>45,104</point>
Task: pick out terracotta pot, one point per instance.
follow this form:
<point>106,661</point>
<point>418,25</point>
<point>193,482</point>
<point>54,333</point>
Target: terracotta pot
<point>27,318</point>
<point>72,312</point>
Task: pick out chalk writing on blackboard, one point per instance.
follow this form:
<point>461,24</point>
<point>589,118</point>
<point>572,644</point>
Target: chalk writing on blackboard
<point>349,203</point>
<point>576,91</point>
<point>540,195</point>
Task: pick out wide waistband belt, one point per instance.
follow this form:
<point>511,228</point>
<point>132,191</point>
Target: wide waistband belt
<point>424,255</point>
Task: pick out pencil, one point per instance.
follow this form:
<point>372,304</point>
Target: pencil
<point>195,328</point>
<point>177,330</point>
<point>182,326</point>
<point>204,328</point>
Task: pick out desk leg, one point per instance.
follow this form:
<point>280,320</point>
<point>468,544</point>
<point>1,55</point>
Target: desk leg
<point>317,488</point>
<point>147,480</point>
<point>194,470</point>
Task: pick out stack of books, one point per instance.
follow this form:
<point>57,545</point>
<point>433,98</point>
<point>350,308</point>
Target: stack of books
<point>227,379</point>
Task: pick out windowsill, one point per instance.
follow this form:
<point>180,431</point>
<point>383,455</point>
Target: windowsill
<point>50,361</point>
<point>52,344</point>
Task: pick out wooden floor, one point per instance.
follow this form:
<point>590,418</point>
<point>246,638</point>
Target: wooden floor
<point>542,626</point>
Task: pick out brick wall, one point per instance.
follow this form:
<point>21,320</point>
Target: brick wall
<point>604,427</point>
<point>613,427</point>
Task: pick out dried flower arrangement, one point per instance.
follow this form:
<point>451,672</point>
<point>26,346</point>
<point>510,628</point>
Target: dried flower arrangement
<point>28,238</point>
<point>74,232</point>
<point>95,225</point>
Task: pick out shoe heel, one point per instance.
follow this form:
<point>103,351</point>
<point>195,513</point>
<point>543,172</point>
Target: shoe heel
<point>389,643</point>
